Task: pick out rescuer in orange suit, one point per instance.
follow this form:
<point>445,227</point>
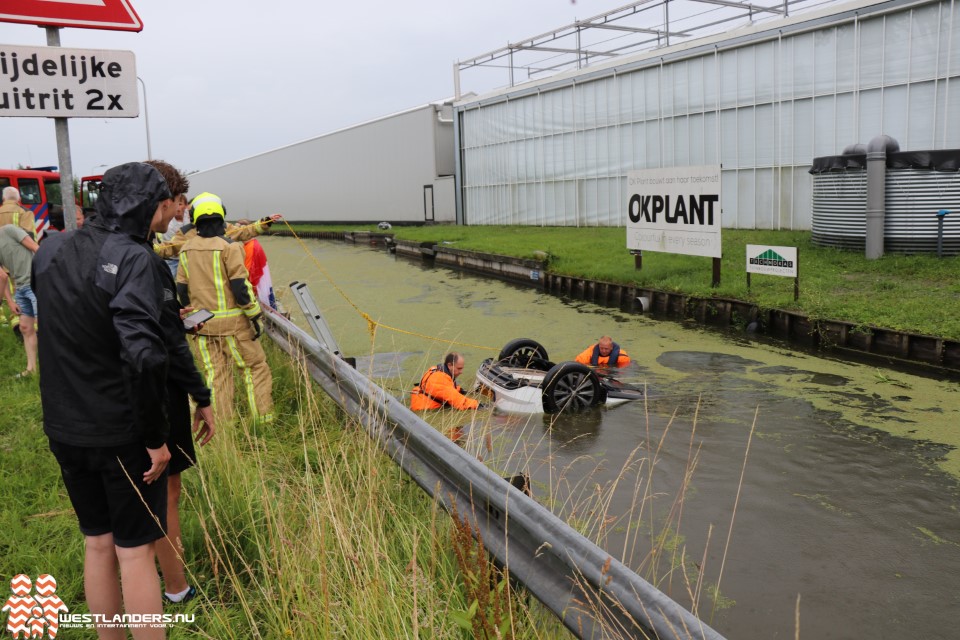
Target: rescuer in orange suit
<point>602,353</point>
<point>438,387</point>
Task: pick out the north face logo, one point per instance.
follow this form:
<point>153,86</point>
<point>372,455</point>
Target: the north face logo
<point>28,615</point>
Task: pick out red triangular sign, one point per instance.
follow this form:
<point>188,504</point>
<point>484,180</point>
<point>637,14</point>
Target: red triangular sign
<point>117,15</point>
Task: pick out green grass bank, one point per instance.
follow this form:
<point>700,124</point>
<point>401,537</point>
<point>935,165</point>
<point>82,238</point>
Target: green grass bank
<point>911,293</point>
<point>299,529</point>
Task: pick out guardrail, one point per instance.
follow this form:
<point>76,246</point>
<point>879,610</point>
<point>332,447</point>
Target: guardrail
<point>592,593</point>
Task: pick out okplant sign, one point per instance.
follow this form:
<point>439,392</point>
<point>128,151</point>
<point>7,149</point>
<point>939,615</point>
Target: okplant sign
<point>675,210</point>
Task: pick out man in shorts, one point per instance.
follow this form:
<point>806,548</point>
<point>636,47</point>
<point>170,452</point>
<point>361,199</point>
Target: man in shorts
<point>16,255</point>
<point>183,382</point>
<point>103,367</point>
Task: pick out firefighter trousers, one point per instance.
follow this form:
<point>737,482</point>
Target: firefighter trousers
<point>218,357</point>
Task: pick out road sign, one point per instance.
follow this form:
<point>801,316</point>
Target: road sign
<point>54,82</point>
<point>116,15</point>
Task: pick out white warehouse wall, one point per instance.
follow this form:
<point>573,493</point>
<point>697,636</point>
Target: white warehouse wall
<point>372,172</point>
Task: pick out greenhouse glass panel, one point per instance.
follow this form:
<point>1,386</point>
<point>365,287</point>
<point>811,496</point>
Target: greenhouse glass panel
<point>871,52</point>
<point>846,57</point>
<point>923,99</point>
<point>825,61</point>
<point>924,35</point>
<point>895,114</point>
<point>803,61</point>
<point>896,46</point>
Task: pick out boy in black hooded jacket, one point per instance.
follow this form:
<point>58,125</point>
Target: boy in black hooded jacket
<point>103,367</point>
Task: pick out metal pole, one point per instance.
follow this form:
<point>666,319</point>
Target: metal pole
<point>940,216</point>
<point>67,196</point>
<point>146,117</point>
<point>456,81</point>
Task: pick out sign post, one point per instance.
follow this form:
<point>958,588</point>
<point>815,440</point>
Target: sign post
<point>676,210</point>
<point>62,128</point>
<point>50,82</point>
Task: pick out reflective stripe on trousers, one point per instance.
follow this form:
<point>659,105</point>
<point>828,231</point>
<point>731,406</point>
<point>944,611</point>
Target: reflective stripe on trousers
<point>218,357</point>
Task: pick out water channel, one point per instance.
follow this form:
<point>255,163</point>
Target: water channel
<point>797,487</point>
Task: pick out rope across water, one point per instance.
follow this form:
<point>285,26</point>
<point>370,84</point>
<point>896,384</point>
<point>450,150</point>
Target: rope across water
<point>373,325</point>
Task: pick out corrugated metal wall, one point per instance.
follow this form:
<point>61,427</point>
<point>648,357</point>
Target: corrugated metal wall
<point>913,199</point>
<point>762,105</point>
<point>372,172</point>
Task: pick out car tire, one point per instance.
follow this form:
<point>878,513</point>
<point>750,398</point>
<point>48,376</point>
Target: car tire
<point>571,386</point>
<point>522,353</point>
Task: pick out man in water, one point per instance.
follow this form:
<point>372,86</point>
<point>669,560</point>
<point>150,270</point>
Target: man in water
<point>438,387</point>
<point>605,353</point>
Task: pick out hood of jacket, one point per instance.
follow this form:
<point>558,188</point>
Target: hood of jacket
<point>129,196</point>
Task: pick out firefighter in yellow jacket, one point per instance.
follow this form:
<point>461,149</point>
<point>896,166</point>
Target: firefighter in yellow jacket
<point>241,233</point>
<point>212,276</point>
<point>12,213</point>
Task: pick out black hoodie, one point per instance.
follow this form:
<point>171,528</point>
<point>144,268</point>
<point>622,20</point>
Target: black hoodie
<point>101,350</point>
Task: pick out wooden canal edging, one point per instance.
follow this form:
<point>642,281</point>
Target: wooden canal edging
<point>790,326</point>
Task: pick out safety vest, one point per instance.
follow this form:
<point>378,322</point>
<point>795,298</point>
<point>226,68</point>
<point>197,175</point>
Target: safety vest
<point>614,355</point>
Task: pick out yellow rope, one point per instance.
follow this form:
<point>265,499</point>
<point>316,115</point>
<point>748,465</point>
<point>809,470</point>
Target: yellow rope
<point>372,324</point>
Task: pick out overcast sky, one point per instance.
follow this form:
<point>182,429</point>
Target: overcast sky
<point>230,79</point>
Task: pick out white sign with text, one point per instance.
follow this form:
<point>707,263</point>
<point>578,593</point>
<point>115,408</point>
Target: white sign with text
<point>772,261</point>
<point>675,210</point>
<point>53,82</point>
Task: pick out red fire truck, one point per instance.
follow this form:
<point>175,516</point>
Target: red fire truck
<point>40,191</point>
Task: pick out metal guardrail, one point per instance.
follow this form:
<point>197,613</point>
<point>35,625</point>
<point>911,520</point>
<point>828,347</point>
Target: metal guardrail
<point>592,593</point>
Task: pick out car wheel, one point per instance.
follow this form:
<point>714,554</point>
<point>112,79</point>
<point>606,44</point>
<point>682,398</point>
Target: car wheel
<point>571,386</point>
<point>522,353</point>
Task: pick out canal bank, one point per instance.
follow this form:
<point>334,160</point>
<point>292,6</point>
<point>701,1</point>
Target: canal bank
<point>848,338</point>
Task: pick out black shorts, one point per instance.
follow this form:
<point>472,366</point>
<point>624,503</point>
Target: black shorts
<point>103,496</point>
<point>182,452</point>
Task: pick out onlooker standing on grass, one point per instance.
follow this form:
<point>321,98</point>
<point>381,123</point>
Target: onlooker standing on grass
<point>16,255</point>
<point>102,384</point>
<point>183,380</point>
<point>12,213</point>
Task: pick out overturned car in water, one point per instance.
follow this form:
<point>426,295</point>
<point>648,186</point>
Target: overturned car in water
<point>522,379</point>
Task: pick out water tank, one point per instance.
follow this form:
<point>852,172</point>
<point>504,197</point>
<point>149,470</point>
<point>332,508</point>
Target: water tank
<point>918,185</point>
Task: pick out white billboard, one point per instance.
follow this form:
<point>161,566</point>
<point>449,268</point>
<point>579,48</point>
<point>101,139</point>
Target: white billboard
<point>54,82</point>
<point>675,210</point>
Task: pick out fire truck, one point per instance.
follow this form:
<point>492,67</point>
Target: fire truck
<point>40,192</point>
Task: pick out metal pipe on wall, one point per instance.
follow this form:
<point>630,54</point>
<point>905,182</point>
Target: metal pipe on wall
<point>877,151</point>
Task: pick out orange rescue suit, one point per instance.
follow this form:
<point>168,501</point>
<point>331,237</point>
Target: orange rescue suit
<point>603,361</point>
<point>437,389</point>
